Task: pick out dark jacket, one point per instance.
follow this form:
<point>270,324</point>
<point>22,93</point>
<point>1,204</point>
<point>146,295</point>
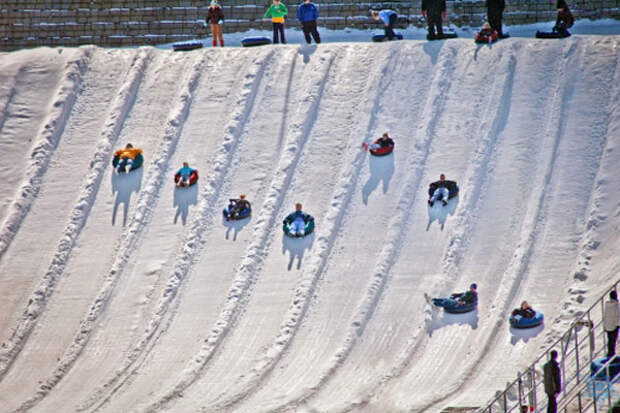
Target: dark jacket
<point>307,12</point>
<point>434,6</point>
<point>552,380</point>
<point>527,313</point>
<point>468,297</point>
<point>292,217</point>
<point>495,5</point>
<point>565,18</point>
<point>240,204</point>
<point>449,185</point>
<point>214,15</point>
<point>385,142</point>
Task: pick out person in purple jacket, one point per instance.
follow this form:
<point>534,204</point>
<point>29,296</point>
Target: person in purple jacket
<point>307,14</point>
<point>388,18</point>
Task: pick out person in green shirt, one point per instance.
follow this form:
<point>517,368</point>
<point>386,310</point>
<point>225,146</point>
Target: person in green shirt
<point>277,11</point>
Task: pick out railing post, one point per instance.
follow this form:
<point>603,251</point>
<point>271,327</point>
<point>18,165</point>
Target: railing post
<point>505,403</point>
<point>520,388</point>
<point>534,400</point>
<point>577,355</point>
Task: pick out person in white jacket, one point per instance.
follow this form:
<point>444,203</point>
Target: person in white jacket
<point>611,322</point>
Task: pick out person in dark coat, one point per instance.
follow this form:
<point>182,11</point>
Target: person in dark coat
<point>456,299</point>
<point>552,381</point>
<point>236,205</point>
<point>525,310</point>
<point>382,142</point>
<point>388,18</point>
<point>307,14</point>
<point>440,190</point>
<point>495,9</point>
<point>434,11</point>
<point>215,16</point>
<point>564,19</point>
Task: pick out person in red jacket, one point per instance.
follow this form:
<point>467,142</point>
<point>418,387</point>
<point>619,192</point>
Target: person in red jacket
<point>215,16</point>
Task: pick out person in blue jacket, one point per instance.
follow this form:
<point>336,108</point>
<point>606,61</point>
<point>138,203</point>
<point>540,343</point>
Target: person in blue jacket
<point>388,18</point>
<point>297,221</point>
<point>184,174</point>
<point>307,14</point>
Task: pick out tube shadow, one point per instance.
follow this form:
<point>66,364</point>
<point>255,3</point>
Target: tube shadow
<point>432,48</point>
<point>306,50</point>
<point>525,334</point>
<point>440,213</point>
<point>381,169</point>
<point>296,248</point>
<point>123,185</point>
<point>446,319</point>
<point>235,226</point>
<point>183,198</point>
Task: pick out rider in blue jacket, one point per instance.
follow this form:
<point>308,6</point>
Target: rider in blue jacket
<point>307,14</point>
<point>184,174</point>
<point>297,220</point>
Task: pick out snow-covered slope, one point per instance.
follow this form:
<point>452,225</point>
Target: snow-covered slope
<point>123,293</point>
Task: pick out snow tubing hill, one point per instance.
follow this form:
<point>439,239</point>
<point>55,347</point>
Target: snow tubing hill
<point>255,41</point>
<point>135,165</point>
<point>193,178</point>
<point>460,308</point>
<point>518,321</point>
<point>243,214</point>
<point>286,227</point>
<point>597,364</point>
<point>551,35</point>
<point>383,37</point>
<point>183,46</point>
<point>481,38</point>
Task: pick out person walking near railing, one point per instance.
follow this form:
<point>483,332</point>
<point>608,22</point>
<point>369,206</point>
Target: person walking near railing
<point>552,381</point>
<point>611,322</point>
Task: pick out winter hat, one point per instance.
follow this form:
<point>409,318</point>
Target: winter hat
<point>561,4</point>
<point>486,26</point>
<point>214,3</point>
<point>473,286</point>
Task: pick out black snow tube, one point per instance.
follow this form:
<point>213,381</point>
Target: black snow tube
<point>255,41</point>
<point>183,46</point>
<point>383,37</point>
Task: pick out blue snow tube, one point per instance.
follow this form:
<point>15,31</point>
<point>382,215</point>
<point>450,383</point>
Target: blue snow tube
<point>182,46</point>
<point>236,216</point>
<point>383,37</point>
<point>518,321</point>
<point>255,41</point>
<point>597,364</point>
<point>460,308</point>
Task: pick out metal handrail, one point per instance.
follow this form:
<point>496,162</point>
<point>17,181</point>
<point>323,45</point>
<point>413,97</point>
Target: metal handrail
<point>577,354</point>
<point>590,383</point>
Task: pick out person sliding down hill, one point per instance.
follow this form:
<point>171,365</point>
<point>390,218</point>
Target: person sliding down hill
<point>236,205</point>
<point>126,157</point>
<point>382,142</point>
<point>297,221</point>
<point>525,310</point>
<point>564,19</point>
<point>440,190</point>
<point>456,299</point>
<point>184,174</point>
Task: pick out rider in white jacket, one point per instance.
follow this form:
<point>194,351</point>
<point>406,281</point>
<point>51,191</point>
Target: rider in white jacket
<point>611,322</point>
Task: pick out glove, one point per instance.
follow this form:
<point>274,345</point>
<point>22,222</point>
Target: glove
<point>423,13</point>
<point>220,21</point>
<point>443,15</point>
<point>284,222</point>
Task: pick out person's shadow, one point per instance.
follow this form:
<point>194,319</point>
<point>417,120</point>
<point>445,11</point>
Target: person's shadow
<point>123,185</point>
<point>432,48</point>
<point>183,198</point>
<point>235,226</point>
<point>525,334</point>
<point>440,213</point>
<point>381,169</point>
<point>306,50</point>
<point>296,248</point>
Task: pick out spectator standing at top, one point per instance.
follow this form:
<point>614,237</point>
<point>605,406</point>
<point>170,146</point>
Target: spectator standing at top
<point>434,11</point>
<point>611,322</point>
<point>215,16</point>
<point>552,381</point>
<point>495,9</point>
<point>277,11</point>
<point>388,18</point>
<point>564,19</point>
<point>307,14</point>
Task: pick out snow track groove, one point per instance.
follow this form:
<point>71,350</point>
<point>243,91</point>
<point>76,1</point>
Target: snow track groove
<point>79,215</point>
<point>131,239</point>
<point>193,241</point>
<point>249,382</point>
<point>46,142</point>
<point>249,267</point>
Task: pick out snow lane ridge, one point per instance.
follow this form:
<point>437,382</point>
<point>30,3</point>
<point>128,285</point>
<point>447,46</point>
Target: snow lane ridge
<point>307,285</point>
<point>249,266</point>
<point>131,238</point>
<point>46,142</point>
<point>185,258</point>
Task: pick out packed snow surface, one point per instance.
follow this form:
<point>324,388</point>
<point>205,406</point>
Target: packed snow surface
<point>123,293</point>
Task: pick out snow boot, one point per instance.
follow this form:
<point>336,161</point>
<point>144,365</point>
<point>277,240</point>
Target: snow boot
<point>430,202</point>
<point>444,202</point>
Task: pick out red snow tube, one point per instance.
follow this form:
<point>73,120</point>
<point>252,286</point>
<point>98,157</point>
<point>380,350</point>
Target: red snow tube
<point>482,38</point>
<point>382,151</point>
<point>193,177</point>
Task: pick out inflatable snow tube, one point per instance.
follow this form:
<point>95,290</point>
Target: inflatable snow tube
<point>518,321</point>
<point>255,41</point>
<point>597,364</point>
<point>309,228</point>
<point>460,308</point>
<point>236,216</point>
<point>552,35</point>
<point>453,189</point>
<point>382,151</point>
<point>481,38</point>
<point>193,178</point>
<point>183,46</point>
<point>135,165</point>
<point>383,37</point>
